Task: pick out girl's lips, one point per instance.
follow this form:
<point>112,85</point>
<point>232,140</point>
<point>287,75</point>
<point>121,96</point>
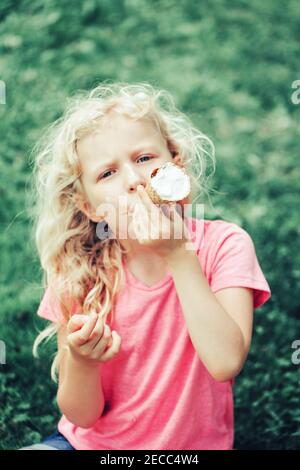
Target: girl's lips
<point>129,209</point>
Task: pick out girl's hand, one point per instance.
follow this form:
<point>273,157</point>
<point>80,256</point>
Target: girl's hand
<point>160,228</point>
<point>90,340</point>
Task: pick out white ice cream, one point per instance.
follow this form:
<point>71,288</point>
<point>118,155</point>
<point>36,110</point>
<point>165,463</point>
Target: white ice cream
<point>171,183</point>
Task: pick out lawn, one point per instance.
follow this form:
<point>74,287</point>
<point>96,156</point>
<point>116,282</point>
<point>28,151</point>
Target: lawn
<point>230,67</point>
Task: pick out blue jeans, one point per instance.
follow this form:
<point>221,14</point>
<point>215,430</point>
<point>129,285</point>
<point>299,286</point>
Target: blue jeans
<point>55,441</point>
<point>58,441</point>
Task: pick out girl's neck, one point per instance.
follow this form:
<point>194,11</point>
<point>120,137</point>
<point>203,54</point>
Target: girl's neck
<point>145,265</point>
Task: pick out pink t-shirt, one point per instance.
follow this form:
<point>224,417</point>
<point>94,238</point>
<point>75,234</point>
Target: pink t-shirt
<point>158,393</point>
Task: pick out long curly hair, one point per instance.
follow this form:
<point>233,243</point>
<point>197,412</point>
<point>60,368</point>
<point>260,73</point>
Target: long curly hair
<point>85,273</point>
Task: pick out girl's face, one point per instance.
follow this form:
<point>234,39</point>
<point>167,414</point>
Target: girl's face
<point>115,160</point>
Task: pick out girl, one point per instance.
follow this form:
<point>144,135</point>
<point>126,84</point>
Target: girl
<point>151,330</point>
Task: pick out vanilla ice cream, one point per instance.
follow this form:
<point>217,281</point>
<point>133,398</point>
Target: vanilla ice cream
<point>169,183</point>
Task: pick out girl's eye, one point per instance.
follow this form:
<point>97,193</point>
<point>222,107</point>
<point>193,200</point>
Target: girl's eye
<point>105,173</point>
<point>147,156</point>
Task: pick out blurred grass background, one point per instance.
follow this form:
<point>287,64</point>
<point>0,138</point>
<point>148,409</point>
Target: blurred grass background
<point>230,67</point>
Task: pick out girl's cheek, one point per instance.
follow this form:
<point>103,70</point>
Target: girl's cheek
<point>108,212</point>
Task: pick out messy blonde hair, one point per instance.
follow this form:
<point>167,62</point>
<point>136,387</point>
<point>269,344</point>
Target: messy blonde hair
<point>77,265</point>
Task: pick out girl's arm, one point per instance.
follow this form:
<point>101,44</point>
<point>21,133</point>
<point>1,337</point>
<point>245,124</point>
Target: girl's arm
<point>220,336</point>
<point>80,395</point>
<point>219,328</point>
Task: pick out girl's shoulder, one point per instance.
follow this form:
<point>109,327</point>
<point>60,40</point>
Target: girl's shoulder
<point>228,257</point>
<point>57,309</point>
<point>210,235</point>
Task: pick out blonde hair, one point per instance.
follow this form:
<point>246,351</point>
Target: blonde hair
<point>83,271</point>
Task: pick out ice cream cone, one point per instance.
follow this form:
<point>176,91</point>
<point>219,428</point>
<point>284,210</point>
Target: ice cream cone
<point>167,179</point>
<point>154,195</point>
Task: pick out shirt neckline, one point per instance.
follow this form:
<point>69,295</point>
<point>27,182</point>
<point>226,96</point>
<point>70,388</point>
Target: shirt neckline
<point>168,278</point>
<point>135,282</point>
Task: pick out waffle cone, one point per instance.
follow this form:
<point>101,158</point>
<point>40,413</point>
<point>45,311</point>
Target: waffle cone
<point>154,196</point>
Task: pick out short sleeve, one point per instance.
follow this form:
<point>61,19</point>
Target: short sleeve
<point>235,264</point>
<point>50,309</point>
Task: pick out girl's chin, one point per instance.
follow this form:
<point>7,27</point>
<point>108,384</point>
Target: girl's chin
<point>128,212</point>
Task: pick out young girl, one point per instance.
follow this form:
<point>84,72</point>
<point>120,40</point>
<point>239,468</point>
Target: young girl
<point>151,330</point>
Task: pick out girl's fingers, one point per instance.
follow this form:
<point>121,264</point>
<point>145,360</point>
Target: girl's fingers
<point>165,208</point>
<point>98,333</point>
<point>103,340</point>
<point>99,343</point>
<point>137,220</point>
<point>81,337</point>
<point>145,198</point>
<point>99,328</point>
<point>76,322</point>
<point>113,349</point>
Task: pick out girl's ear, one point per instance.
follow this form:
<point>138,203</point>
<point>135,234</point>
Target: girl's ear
<point>177,160</point>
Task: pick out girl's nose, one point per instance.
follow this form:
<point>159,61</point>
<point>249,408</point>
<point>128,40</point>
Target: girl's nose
<point>133,178</point>
<point>133,187</point>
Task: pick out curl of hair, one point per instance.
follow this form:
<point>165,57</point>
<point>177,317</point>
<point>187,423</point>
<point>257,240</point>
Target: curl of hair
<point>83,268</point>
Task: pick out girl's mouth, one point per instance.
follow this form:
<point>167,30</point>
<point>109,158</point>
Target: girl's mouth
<point>128,210</point>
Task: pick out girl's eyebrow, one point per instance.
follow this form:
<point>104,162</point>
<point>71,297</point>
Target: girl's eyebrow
<point>132,153</point>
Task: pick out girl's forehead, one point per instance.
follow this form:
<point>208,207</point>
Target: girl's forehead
<point>123,123</point>
<point>118,132</point>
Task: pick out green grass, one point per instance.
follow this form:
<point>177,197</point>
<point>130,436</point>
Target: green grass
<point>230,68</point>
